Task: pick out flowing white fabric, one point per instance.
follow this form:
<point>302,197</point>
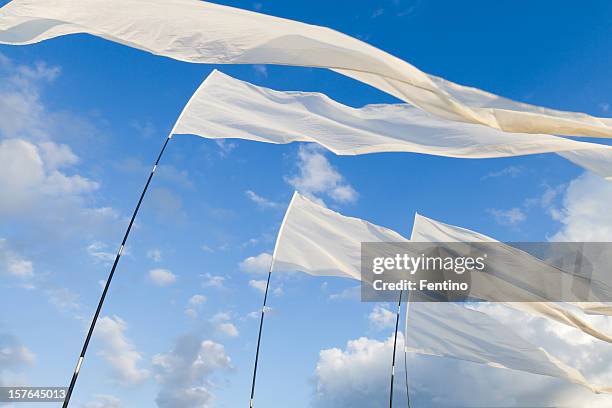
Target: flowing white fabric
<point>225,107</point>
<point>201,32</point>
<point>452,330</point>
<point>429,230</point>
<point>318,241</point>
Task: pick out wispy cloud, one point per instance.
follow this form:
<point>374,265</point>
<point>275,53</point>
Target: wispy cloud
<point>510,171</point>
<point>512,217</point>
<point>259,200</point>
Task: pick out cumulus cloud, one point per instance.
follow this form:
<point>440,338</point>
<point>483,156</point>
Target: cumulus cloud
<point>161,277</point>
<point>585,211</point>
<point>316,176</point>
<point>257,264</point>
<point>357,376</point>
<point>184,373</point>
<point>39,182</point>
<point>119,352</point>
<point>27,179</point>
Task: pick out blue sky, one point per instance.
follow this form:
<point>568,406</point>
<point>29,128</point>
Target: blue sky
<point>82,119</point>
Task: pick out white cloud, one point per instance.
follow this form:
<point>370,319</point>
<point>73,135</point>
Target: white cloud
<point>512,217</point>
<point>352,293</point>
<point>357,376</point>
<point>161,277</point>
<point>221,317</point>
<point>27,179</point>
<point>223,326</point>
<point>585,214</point>
<point>154,254</point>
<point>194,304</point>
<point>214,281</point>
<point>510,171</point>
<point>259,200</point>
<point>14,354</point>
<point>257,264</point>
<point>317,176</point>
<point>382,318</point>
<point>227,329</point>
<point>225,146</point>
<point>39,185</point>
<point>119,352</point>
<point>103,401</point>
<point>197,300</point>
<point>184,373</point>
<point>14,357</point>
<point>260,285</point>
<point>261,70</point>
<point>14,264</point>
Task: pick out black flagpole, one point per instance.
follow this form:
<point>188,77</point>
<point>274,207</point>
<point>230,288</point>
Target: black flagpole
<point>263,312</point>
<point>265,300</point>
<point>110,278</point>
<point>405,352</point>
<point>399,305</point>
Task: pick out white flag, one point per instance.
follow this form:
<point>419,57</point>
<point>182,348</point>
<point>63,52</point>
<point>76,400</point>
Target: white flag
<point>452,330</point>
<point>225,107</point>
<point>201,32</point>
<point>429,230</point>
<point>318,241</point>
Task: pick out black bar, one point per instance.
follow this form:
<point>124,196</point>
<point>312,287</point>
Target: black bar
<point>406,355</point>
<point>399,304</point>
<point>110,278</point>
<point>263,312</point>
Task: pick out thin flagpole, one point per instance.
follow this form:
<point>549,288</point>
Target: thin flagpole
<point>263,309</point>
<point>110,278</point>
<point>119,253</point>
<point>405,352</point>
<point>399,306</point>
<point>263,313</point>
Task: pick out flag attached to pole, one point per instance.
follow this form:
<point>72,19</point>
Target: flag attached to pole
<point>429,230</point>
<point>225,107</point>
<point>318,241</point>
<point>452,330</point>
<point>201,32</point>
